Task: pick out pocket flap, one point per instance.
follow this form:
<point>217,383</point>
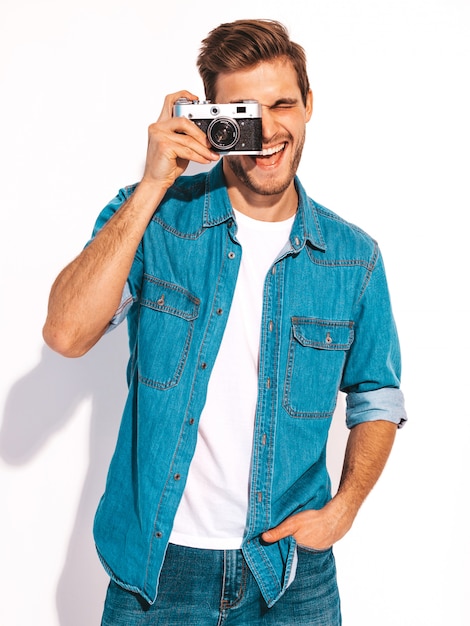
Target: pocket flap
<point>160,295</point>
<point>324,334</point>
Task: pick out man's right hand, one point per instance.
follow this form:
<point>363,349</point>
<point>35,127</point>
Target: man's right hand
<point>172,143</point>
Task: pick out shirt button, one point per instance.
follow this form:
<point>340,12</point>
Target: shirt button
<point>191,421</point>
<point>231,255</point>
<point>219,311</point>
<point>271,326</point>
<point>177,476</point>
<point>203,366</point>
<point>158,535</point>
<point>297,241</point>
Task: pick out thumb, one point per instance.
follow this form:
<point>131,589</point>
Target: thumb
<point>284,529</point>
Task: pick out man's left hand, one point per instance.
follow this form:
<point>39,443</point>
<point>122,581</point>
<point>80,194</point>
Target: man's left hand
<point>314,529</point>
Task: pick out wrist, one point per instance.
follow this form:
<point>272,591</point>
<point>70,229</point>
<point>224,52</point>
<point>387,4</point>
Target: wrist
<point>342,511</point>
<point>151,189</point>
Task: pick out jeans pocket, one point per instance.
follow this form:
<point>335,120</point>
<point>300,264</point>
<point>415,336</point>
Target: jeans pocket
<point>123,608</point>
<point>303,548</point>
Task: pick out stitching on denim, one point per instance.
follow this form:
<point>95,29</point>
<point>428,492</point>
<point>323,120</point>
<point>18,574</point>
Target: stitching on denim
<point>314,212</point>
<point>270,570</point>
<point>287,386</point>
<point>173,381</point>
<point>207,202</point>
<point>188,313</point>
<point>226,605</point>
<point>370,269</point>
<point>192,236</point>
<point>123,305</point>
<point>338,262</point>
<point>279,284</point>
<point>188,316</point>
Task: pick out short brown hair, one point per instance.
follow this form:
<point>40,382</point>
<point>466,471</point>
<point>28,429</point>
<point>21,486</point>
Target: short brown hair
<point>243,44</point>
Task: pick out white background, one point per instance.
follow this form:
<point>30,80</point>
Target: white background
<point>387,148</point>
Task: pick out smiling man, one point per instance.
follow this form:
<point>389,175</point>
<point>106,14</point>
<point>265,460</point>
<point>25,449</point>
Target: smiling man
<point>249,307</point>
<point>263,187</point>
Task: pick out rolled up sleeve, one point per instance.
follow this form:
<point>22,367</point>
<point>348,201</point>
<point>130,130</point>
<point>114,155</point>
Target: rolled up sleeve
<point>127,301</point>
<point>380,404</point>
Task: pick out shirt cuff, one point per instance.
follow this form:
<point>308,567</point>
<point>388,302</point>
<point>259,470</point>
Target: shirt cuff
<point>126,302</point>
<point>380,404</point>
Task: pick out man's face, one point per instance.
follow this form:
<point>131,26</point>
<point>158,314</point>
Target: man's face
<point>274,85</point>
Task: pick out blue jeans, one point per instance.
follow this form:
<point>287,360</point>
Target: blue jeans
<point>216,588</point>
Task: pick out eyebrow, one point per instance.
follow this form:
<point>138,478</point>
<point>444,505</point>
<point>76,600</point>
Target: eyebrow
<point>281,101</point>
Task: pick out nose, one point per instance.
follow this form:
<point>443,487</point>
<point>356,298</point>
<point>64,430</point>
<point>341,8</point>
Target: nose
<point>268,124</point>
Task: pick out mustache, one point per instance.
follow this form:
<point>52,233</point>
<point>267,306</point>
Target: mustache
<point>277,139</point>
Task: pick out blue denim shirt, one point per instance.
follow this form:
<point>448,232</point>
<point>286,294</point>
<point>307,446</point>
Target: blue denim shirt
<point>327,326</point>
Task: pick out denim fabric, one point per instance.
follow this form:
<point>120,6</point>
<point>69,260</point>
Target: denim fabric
<point>216,588</point>
<point>327,325</point>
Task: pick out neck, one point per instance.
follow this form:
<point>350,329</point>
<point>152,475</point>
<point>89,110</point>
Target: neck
<point>266,208</point>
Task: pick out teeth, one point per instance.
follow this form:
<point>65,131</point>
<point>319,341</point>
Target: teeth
<point>271,151</point>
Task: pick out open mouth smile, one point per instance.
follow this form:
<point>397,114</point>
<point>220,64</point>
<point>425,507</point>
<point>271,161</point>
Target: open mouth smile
<point>268,152</point>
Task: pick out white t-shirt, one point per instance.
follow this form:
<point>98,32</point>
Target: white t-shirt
<point>212,512</point>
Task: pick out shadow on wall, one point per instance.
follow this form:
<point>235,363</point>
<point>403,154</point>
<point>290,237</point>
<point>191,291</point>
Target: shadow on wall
<point>40,404</point>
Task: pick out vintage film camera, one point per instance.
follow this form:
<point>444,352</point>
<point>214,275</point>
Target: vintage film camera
<point>233,128</point>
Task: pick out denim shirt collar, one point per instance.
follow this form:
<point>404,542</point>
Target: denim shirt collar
<point>218,209</point>
<point>217,205</point>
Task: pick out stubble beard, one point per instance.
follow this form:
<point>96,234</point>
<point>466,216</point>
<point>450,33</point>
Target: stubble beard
<point>267,187</point>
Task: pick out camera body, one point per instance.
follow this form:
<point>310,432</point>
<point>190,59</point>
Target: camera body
<point>232,128</point>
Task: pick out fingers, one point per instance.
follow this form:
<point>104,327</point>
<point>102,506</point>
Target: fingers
<point>183,137</point>
<point>309,528</point>
<point>173,142</point>
<point>192,140</point>
<point>285,529</point>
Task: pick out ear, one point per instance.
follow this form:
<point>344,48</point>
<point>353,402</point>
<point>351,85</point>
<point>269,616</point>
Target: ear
<point>309,106</point>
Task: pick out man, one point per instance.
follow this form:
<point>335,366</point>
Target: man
<point>249,306</point>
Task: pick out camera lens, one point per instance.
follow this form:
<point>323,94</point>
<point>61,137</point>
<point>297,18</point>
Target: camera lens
<point>223,133</point>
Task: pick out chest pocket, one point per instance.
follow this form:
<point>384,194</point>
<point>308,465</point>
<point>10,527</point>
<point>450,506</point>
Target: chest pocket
<point>317,353</point>
<point>166,323</point>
